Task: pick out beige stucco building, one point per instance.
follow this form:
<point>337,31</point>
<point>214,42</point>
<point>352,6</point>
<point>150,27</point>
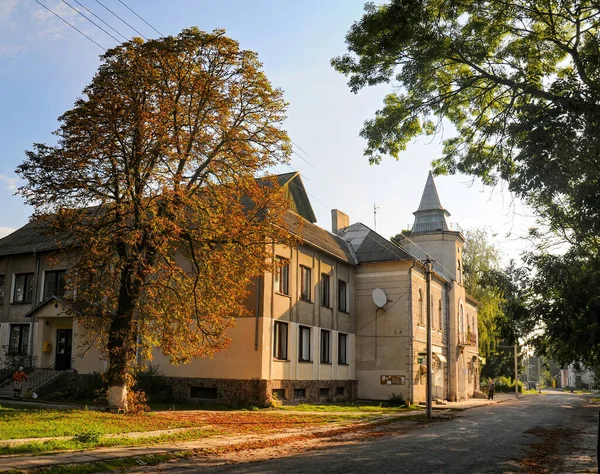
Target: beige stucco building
<point>316,333</point>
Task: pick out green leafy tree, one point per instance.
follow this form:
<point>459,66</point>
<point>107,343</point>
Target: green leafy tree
<point>151,191</point>
<point>520,83</point>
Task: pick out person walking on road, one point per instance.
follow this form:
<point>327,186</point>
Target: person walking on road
<point>491,390</point>
<point>18,378</point>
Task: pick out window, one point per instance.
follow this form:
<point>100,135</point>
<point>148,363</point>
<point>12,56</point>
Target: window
<point>431,311</point>
<point>461,319</point>
<point>1,290</point>
<point>440,315</point>
<point>420,306</point>
<point>282,276</point>
<point>325,346</point>
<point>325,290</point>
<point>279,393</point>
<point>54,283</point>
<point>299,393</point>
<point>459,273</point>
<point>342,349</point>
<point>280,340</point>
<point>323,392</point>
<point>305,283</point>
<point>18,342</point>
<point>208,393</point>
<point>343,296</point>
<point>340,391</point>
<point>23,288</point>
<point>304,344</point>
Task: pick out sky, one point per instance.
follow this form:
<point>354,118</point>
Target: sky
<point>45,64</point>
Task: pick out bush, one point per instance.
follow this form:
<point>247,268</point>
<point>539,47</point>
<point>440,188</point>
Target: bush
<point>396,400</point>
<point>153,384</point>
<point>506,385</point>
<point>87,436</point>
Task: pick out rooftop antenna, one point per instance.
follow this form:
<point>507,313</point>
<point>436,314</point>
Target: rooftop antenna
<point>375,207</point>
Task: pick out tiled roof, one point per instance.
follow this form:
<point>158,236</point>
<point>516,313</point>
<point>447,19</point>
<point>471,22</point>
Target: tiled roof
<point>316,236</point>
<point>368,246</point>
<point>28,238</point>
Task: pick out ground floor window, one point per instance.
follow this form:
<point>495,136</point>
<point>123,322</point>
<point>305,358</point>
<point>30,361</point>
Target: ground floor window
<point>280,340</point>
<point>343,349</point>
<point>19,339</point>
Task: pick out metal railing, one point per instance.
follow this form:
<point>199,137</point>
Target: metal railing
<point>467,339</point>
<point>41,377</point>
<point>13,362</point>
<point>436,226</point>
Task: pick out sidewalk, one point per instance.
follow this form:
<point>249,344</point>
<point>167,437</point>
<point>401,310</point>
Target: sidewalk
<point>36,461</point>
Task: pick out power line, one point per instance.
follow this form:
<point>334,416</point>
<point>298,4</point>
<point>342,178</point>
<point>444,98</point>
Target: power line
<point>140,18</point>
<point>72,26</point>
<point>113,13</point>
<point>90,20</point>
<point>96,16</point>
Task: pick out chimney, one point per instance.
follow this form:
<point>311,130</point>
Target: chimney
<point>339,220</point>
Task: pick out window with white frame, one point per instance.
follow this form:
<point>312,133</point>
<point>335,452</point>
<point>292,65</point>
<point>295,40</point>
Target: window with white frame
<point>342,296</point>
<point>305,283</point>
<point>325,346</point>
<point>280,340</point>
<point>23,292</point>
<point>282,275</point>
<point>54,283</point>
<point>342,349</point>
<point>304,344</point>
<point>18,342</point>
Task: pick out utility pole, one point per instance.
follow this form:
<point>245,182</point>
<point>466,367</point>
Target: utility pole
<point>428,271</point>
<point>516,373</point>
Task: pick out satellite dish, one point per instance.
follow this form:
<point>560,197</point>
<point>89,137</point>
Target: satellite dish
<point>379,297</point>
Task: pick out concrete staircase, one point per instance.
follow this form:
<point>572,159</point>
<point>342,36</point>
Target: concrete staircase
<point>36,378</point>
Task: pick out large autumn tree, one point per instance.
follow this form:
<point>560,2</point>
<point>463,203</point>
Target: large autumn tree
<point>519,81</point>
<point>151,189</point>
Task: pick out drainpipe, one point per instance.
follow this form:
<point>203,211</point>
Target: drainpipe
<point>37,281</point>
<point>411,388</point>
<point>257,313</point>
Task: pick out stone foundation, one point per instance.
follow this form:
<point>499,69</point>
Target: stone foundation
<point>261,392</point>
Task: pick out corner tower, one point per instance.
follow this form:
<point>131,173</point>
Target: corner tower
<point>433,235</point>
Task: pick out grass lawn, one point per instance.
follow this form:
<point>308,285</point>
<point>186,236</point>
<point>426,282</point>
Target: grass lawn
<point>362,407</point>
<point>90,427</point>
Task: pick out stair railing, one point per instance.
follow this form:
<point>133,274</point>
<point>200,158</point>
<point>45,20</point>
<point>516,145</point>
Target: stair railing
<point>41,377</point>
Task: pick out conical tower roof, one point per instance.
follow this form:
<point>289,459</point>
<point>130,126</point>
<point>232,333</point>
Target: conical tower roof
<point>431,215</point>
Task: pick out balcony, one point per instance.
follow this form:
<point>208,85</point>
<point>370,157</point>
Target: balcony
<point>467,339</point>
<point>425,227</point>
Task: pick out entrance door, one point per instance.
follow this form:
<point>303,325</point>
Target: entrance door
<point>63,349</point>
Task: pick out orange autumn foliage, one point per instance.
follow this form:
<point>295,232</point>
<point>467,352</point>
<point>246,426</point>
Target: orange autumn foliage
<point>152,192</point>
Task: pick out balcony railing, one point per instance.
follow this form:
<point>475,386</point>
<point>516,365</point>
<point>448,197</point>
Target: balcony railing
<point>436,226</point>
<point>467,339</point>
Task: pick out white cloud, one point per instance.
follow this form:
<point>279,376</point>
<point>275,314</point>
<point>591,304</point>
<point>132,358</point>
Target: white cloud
<point>9,182</point>
<point>4,231</point>
<point>7,7</point>
<point>10,50</point>
<point>49,25</point>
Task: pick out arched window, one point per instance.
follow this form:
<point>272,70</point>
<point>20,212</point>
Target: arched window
<point>420,306</point>
<point>461,319</point>
<point>469,329</point>
<point>440,315</point>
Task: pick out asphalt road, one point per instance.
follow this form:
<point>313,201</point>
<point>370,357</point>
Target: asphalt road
<point>542,433</point>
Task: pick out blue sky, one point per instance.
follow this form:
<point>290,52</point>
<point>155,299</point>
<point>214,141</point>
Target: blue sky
<point>44,65</point>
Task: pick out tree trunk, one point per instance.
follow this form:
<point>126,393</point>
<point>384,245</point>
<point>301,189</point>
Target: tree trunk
<point>121,341</point>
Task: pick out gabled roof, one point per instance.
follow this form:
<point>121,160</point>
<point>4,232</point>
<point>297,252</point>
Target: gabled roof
<point>369,246</point>
<point>56,301</point>
<point>319,238</point>
<point>297,195</point>
<point>27,239</point>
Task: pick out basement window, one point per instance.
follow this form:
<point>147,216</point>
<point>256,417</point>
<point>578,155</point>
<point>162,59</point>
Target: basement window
<point>207,393</point>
